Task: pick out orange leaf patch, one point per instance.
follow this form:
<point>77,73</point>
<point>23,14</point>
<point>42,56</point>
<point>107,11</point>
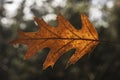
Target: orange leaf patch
<point>59,39</point>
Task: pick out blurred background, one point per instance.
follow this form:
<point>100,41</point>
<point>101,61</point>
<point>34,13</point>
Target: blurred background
<point>102,64</point>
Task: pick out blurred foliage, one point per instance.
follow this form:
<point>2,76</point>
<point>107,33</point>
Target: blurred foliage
<point>102,64</point>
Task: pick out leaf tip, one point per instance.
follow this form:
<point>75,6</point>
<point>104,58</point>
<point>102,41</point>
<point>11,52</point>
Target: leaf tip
<point>36,19</point>
<point>44,67</point>
<point>25,58</point>
<point>82,15</point>
<point>59,15</point>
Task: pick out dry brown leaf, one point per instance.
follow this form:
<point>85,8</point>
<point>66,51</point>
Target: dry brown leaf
<point>59,39</point>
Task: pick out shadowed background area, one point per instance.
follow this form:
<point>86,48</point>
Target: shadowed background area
<point>102,64</point>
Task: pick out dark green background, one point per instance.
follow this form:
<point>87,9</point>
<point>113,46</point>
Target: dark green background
<point>102,64</point>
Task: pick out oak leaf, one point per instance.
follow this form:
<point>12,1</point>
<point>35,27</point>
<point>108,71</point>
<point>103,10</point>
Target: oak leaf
<point>59,39</point>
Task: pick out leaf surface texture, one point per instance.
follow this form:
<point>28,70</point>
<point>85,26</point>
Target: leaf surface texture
<point>59,39</point>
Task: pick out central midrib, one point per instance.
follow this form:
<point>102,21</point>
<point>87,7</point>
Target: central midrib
<point>61,39</point>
